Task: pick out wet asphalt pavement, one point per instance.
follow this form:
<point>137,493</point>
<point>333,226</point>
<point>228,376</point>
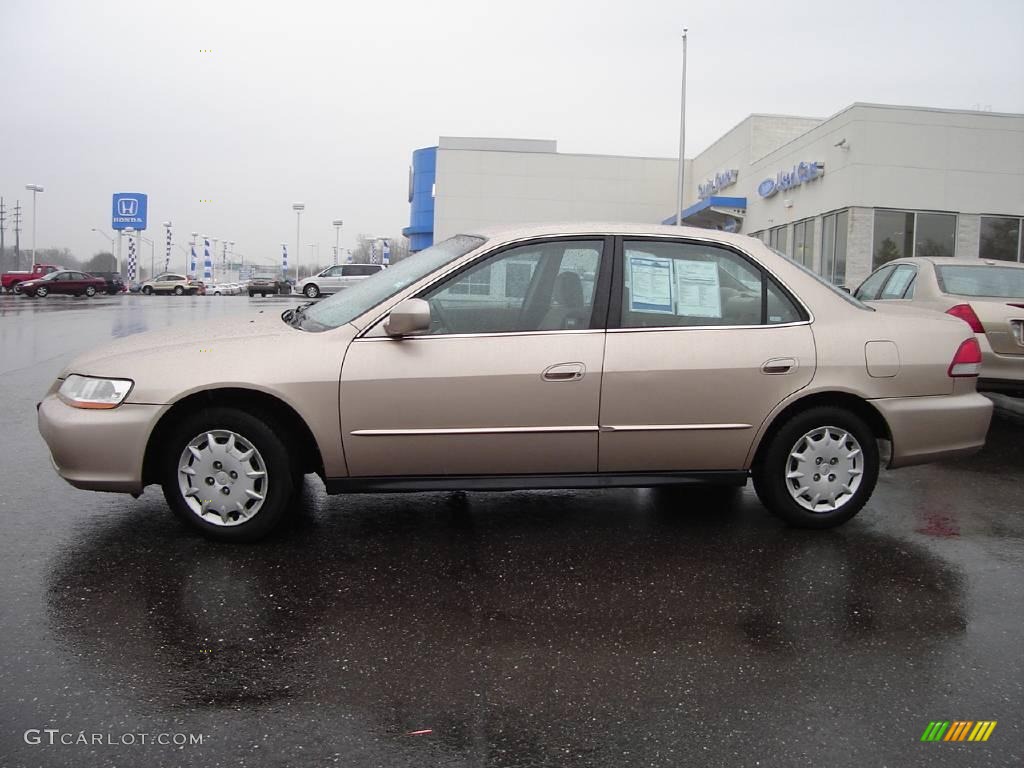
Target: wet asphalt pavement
<point>597,628</point>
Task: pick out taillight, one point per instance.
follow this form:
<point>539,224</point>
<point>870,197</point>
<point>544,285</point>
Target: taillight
<point>965,313</point>
<point>967,360</point>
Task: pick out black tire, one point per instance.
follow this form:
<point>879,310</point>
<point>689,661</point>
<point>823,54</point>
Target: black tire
<point>148,290</point>
<point>311,291</point>
<point>90,291</point>
<point>774,463</point>
<point>263,295</point>
<point>42,292</point>
<point>179,291</point>
<point>268,436</point>
<point>251,294</point>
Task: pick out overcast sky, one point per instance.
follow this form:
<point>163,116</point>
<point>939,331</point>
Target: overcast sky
<point>323,102</point>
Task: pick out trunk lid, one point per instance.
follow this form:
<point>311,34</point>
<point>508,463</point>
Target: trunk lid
<point>1003,321</point>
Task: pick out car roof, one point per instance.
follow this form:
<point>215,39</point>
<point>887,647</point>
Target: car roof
<point>528,230</point>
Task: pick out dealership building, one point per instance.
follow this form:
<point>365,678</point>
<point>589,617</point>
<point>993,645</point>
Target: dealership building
<point>841,194</point>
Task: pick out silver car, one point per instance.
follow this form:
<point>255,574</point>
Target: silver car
<point>336,278</point>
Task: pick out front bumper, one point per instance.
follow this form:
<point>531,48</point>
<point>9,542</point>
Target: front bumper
<point>928,429</point>
<point>98,450</point>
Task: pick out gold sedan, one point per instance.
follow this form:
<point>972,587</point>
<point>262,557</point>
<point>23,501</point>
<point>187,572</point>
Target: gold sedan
<point>580,356</point>
<point>986,294</point>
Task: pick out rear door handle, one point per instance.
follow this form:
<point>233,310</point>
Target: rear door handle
<point>779,365</point>
<point>564,372</point>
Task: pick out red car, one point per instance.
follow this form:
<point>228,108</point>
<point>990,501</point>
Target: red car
<point>11,280</point>
<point>65,281</point>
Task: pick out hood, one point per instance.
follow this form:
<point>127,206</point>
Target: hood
<point>133,355</point>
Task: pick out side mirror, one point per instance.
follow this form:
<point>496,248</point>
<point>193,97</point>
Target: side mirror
<point>410,317</point>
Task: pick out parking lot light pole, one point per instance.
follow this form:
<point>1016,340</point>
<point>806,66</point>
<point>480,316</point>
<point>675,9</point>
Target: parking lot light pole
<point>337,238</point>
<point>34,189</point>
<point>298,208</point>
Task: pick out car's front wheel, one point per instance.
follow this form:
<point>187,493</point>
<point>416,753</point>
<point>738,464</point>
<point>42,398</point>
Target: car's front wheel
<point>179,291</point>
<point>42,291</point>
<point>147,289</point>
<point>311,291</point>
<point>90,291</point>
<point>819,468</point>
<point>227,473</point>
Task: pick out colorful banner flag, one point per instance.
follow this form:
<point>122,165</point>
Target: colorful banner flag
<point>167,261</point>
<point>387,252</point>
<point>192,263</point>
<point>207,264</point>
<point>284,260</point>
<point>131,260</point>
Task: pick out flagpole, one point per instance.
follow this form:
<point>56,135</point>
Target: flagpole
<point>682,139</point>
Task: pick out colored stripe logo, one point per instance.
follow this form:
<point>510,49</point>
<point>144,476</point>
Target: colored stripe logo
<point>958,730</point>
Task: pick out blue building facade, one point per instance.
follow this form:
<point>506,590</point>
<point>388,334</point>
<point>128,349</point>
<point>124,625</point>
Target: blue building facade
<point>421,199</point>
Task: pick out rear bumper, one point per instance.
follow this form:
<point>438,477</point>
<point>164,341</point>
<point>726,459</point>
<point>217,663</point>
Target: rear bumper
<point>928,429</point>
<point>98,450</point>
<point>998,370</point>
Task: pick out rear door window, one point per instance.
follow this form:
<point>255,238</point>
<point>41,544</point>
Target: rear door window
<point>870,288</point>
<point>899,283</point>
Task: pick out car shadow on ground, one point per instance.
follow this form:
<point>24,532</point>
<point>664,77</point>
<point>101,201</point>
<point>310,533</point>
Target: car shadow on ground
<point>514,619</point>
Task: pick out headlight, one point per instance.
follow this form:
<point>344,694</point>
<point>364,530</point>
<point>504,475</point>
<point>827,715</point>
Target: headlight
<point>88,392</point>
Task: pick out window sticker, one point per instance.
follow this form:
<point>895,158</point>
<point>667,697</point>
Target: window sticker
<point>650,280</point>
<point>697,289</point>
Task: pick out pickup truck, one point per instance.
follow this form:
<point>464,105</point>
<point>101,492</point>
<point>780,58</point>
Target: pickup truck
<point>9,280</point>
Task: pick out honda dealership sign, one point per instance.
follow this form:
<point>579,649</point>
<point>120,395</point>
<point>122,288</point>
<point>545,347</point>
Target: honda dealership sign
<point>129,210</point>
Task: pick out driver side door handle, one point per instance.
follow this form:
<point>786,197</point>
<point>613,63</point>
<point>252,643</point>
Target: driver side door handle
<point>564,372</point>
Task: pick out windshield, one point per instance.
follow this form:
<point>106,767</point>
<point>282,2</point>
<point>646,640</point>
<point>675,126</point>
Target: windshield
<point>347,305</point>
<point>981,280</point>
<point>849,299</point>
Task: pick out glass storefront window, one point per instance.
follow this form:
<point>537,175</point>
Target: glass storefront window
<point>907,233</point>
<point>803,241</point>
<point>894,236</point>
<point>1000,238</point>
<point>778,239</point>
<point>935,235</point>
<point>833,247</point>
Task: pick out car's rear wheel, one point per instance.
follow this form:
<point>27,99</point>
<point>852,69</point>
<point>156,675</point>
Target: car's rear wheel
<point>228,474</point>
<point>179,291</point>
<point>311,291</point>
<point>263,295</point>
<point>41,291</point>
<point>819,468</point>
<point>90,291</point>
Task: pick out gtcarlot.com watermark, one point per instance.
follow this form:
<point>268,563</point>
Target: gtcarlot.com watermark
<point>55,736</point>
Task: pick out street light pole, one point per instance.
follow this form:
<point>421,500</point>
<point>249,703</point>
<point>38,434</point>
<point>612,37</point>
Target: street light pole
<point>34,189</point>
<point>682,139</point>
<point>337,238</point>
<point>298,208</point>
